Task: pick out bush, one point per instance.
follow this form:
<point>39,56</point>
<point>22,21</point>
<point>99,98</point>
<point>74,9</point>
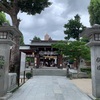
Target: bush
<point>28,75</point>
<point>85,69</point>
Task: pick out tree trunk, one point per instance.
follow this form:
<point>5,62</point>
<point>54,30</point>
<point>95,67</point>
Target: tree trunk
<point>15,20</point>
<point>15,54</point>
<point>15,59</point>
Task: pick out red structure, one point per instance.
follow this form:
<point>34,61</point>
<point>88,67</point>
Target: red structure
<point>43,54</point>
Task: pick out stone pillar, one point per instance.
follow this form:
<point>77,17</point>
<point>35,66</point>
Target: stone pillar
<point>6,40</point>
<point>93,34</point>
<point>95,65</point>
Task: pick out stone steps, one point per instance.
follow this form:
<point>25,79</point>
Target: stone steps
<point>49,72</point>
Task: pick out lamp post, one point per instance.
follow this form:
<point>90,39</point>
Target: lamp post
<point>7,34</point>
<point>93,34</point>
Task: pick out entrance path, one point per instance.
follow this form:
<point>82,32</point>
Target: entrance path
<point>49,88</point>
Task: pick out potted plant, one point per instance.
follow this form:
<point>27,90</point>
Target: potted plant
<point>28,75</point>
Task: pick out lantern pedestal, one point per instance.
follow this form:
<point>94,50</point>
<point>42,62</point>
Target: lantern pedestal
<point>93,34</point>
<point>7,33</point>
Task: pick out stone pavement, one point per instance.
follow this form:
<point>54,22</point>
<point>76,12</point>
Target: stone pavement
<point>49,88</point>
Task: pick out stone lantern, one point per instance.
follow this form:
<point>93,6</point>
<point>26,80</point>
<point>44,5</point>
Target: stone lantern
<point>7,33</point>
<point>93,34</point>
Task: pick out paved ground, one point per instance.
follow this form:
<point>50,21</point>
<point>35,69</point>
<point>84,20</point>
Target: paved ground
<point>49,88</point>
<point>84,85</point>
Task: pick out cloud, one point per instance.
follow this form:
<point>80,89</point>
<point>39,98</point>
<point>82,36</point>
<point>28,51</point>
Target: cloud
<point>52,19</point>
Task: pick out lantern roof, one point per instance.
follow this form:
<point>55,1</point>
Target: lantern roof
<point>90,31</point>
<point>10,29</point>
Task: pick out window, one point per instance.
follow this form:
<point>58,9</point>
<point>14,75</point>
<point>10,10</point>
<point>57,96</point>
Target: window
<point>3,35</point>
<point>97,37</point>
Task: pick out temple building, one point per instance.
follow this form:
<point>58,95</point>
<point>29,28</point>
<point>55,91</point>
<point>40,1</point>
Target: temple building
<point>42,53</point>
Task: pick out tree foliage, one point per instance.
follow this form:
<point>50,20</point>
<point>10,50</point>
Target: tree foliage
<point>22,40</point>
<point>3,18</point>
<point>84,39</point>
<point>33,6</point>
<point>61,46</point>
<point>77,49</point>
<point>94,11</point>
<point>74,49</point>
<point>36,38</point>
<point>73,28</point>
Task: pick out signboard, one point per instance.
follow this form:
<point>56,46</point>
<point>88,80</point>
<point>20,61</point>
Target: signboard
<point>22,62</point>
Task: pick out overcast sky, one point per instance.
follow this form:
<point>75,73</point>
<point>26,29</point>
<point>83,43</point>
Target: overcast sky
<point>52,19</point>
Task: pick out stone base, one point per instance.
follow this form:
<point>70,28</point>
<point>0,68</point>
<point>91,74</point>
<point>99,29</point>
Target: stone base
<point>12,81</point>
<point>92,97</point>
<point>5,97</point>
<point>75,74</point>
<point>10,90</point>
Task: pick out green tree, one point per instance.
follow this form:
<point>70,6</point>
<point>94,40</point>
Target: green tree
<point>36,38</point>
<point>12,8</point>
<point>73,28</point>
<point>84,39</point>
<point>61,46</point>
<point>78,50</point>
<point>74,49</point>
<point>3,18</point>
<point>94,11</point>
